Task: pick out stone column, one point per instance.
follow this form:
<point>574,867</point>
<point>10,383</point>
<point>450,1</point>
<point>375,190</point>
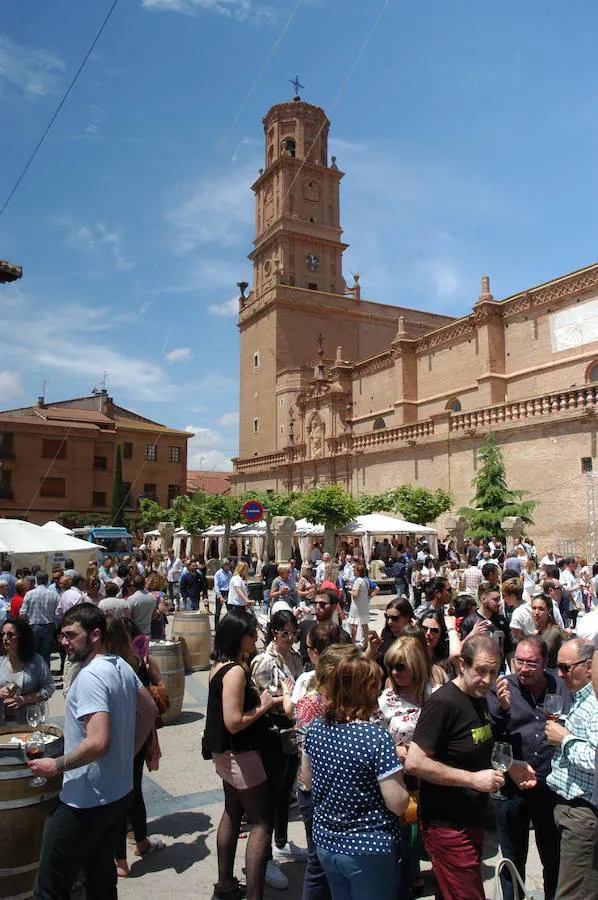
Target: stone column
<point>166,530</point>
<point>513,527</point>
<point>456,527</point>
<point>283,529</point>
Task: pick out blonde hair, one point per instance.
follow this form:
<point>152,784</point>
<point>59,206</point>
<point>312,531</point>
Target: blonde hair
<point>241,569</point>
<point>283,569</point>
<point>409,651</point>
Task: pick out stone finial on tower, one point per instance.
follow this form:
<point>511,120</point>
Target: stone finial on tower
<point>401,331</point>
<point>339,354</point>
<point>485,293</point>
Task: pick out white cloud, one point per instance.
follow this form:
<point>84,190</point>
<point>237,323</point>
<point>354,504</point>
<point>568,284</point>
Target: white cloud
<point>96,241</point>
<point>205,450</point>
<point>216,209</point>
<point>231,418</point>
<point>243,10</point>
<point>10,386</point>
<point>97,114</point>
<point>230,308</point>
<point>443,277</point>
<point>33,72</point>
<point>178,354</point>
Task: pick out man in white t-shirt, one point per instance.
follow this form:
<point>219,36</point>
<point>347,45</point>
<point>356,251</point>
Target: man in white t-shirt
<point>173,568</point>
<point>587,627</point>
<point>108,716</point>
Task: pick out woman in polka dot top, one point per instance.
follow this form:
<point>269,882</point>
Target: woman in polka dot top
<point>355,777</point>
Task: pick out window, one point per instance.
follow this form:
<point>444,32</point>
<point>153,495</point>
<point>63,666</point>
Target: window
<point>174,454</point>
<point>454,405</point>
<point>312,286</point>
<point>98,498</point>
<point>53,487</point>
<point>586,464</point>
<point>173,491</point>
<point>256,360</point>
<point>149,491</point>
<point>379,424</point>
<point>289,145</point>
<point>151,452</point>
<point>127,450</point>
<point>53,449</point>
<point>6,445</point>
<point>100,462</point>
<point>256,426</point>
<point>6,484</point>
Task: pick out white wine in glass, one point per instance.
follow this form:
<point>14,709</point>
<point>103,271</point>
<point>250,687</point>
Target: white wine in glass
<point>501,760</point>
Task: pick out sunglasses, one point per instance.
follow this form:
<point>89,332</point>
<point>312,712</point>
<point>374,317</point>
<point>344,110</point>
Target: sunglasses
<point>322,603</point>
<point>398,667</point>
<point>9,634</point>
<point>432,630</point>
<point>288,634</point>
<point>391,618</point>
<point>566,667</point>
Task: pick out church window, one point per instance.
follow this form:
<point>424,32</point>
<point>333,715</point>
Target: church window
<point>256,426</point>
<point>586,464</point>
<point>312,286</point>
<point>379,423</point>
<point>270,155</point>
<point>592,374</point>
<point>256,360</point>
<point>289,145</point>
<point>454,405</point>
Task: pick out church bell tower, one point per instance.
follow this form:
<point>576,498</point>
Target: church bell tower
<point>298,231</point>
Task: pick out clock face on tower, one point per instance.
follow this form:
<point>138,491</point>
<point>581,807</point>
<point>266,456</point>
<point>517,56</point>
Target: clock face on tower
<point>312,262</point>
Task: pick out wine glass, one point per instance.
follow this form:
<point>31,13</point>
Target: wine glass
<point>553,706</point>
<point>34,749</point>
<point>33,715</point>
<point>501,760</point>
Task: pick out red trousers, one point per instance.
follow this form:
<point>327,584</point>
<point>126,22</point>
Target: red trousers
<point>456,855</point>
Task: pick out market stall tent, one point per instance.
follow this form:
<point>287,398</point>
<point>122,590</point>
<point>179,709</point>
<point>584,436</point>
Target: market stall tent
<point>26,544</point>
<point>379,525</point>
<point>56,526</point>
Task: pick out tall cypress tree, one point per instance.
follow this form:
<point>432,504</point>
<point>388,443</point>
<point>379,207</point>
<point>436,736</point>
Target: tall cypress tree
<point>493,499</point>
<point>117,508</point>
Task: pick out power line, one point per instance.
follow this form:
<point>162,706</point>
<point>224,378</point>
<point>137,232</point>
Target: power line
<point>58,108</point>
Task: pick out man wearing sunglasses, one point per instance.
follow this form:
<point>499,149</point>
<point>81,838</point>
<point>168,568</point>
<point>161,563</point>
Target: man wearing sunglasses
<point>573,772</point>
<point>515,706</point>
<point>325,605</point>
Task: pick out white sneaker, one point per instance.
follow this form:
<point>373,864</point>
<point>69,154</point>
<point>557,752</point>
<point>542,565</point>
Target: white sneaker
<point>289,853</point>
<point>274,877</point>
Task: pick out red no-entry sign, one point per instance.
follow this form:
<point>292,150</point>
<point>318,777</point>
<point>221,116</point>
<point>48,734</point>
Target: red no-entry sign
<point>252,511</point>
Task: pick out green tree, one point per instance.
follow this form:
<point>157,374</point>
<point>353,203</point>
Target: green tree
<point>329,505</point>
<point>152,513</point>
<point>119,493</point>
<point>493,499</point>
<point>418,504</point>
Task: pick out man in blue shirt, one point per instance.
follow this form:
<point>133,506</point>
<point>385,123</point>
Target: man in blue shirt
<point>518,718</point>
<point>573,773</point>
<point>221,584</point>
<point>9,578</point>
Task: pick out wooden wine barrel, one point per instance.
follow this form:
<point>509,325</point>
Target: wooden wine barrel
<point>23,811</point>
<point>169,656</point>
<point>194,629</point>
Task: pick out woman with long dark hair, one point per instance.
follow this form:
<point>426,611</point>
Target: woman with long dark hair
<point>442,639</point>
<point>234,737</point>
<point>24,675</point>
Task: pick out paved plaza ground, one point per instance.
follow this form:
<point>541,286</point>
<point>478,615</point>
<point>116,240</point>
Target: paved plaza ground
<point>184,803</point>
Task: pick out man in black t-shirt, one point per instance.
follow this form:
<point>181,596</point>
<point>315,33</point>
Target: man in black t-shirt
<point>268,574</point>
<point>489,620</point>
<point>451,752</point>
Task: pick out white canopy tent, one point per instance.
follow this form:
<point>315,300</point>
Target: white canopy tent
<point>26,544</point>
<point>377,525</point>
<point>56,526</point>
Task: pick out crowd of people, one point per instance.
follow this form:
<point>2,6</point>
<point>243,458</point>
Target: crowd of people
<point>386,740</point>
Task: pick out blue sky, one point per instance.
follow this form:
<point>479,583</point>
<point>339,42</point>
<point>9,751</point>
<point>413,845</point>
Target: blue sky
<point>467,132</point>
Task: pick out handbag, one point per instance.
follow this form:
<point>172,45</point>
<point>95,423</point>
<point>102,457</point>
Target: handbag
<point>152,751</point>
<point>160,698</point>
<point>519,889</point>
<point>409,817</point>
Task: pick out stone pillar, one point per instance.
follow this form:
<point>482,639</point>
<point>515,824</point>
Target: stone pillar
<point>283,529</point>
<point>456,527</point>
<point>513,527</point>
<point>166,530</point>
<point>405,361</point>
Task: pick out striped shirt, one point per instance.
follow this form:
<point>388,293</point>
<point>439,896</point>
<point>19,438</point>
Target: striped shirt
<point>573,764</point>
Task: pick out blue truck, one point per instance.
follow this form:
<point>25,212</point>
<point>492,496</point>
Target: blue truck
<point>117,542</point>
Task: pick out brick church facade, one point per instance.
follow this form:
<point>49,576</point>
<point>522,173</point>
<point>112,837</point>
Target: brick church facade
<point>336,388</point>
